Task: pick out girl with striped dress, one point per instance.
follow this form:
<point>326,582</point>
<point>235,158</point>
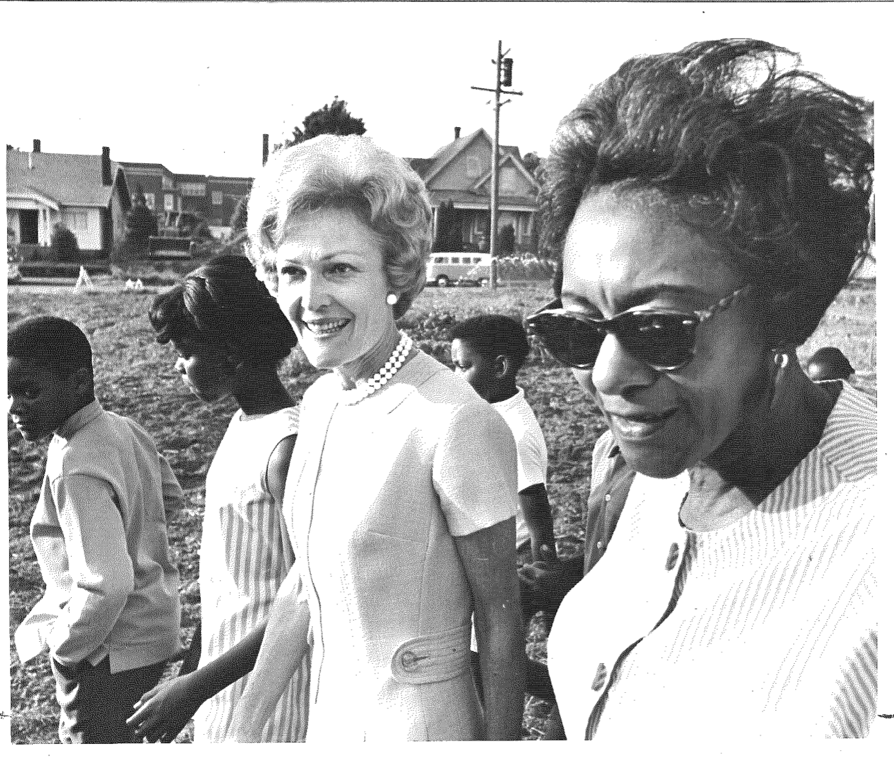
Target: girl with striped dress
<point>230,337</point>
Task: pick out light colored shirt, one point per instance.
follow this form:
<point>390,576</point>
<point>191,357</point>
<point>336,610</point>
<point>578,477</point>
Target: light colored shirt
<point>530,451</point>
<point>245,556</point>
<point>100,537</point>
<point>766,628</point>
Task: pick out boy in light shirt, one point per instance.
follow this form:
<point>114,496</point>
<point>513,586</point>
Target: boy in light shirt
<point>110,614</point>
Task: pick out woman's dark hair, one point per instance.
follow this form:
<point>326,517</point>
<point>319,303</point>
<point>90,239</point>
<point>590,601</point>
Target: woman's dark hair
<point>765,159</point>
<point>224,304</point>
<point>494,335</point>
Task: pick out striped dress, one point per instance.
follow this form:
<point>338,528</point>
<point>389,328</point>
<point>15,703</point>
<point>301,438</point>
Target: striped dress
<point>245,555</point>
<point>766,628</point>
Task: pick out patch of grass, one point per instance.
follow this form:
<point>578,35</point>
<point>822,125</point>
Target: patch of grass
<point>135,377</point>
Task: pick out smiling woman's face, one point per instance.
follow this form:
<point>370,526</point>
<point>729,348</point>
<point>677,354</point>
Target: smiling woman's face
<point>621,253</point>
<point>332,287</point>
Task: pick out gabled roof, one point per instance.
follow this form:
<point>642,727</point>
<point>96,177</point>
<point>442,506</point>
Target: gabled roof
<point>446,153</point>
<point>508,158</point>
<point>428,168</point>
<point>67,179</point>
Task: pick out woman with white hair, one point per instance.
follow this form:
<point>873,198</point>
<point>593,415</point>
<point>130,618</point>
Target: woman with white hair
<point>401,497</point>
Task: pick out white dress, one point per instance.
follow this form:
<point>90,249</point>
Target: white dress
<point>245,556</point>
<point>380,490</point>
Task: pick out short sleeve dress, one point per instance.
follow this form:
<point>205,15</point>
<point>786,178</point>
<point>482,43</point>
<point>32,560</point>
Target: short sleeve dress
<point>376,493</point>
<point>245,556</point>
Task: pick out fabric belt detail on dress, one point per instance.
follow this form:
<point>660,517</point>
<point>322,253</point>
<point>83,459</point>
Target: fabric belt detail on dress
<point>432,658</point>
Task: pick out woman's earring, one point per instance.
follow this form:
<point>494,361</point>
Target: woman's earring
<point>391,299</point>
<point>780,358</point>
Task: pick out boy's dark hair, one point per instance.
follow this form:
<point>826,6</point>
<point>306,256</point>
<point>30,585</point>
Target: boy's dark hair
<point>832,362</point>
<point>223,303</point>
<point>494,335</point>
<point>53,341</point>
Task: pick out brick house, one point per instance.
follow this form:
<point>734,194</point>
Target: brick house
<point>159,185</point>
<point>461,171</point>
<point>87,193</point>
<point>211,197</point>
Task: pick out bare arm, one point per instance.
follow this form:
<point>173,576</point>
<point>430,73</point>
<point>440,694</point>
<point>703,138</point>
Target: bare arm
<point>278,469</point>
<point>284,645</point>
<point>488,557</point>
<point>163,712</point>
<point>535,508</point>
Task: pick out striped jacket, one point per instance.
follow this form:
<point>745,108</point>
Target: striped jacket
<point>764,628</point>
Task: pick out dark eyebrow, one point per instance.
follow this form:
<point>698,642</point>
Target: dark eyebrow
<point>638,296</point>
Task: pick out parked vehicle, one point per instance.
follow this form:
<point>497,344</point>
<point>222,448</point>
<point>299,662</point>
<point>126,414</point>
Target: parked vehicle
<point>445,269</point>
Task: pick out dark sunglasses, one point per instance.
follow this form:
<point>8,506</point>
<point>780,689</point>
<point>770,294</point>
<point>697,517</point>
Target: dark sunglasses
<point>663,339</point>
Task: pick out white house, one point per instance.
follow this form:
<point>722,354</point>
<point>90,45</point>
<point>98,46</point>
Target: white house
<point>461,173</point>
<point>87,193</point>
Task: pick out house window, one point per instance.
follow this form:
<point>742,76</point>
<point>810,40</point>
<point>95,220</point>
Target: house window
<point>150,200</point>
<point>167,183</point>
<point>76,221</point>
<point>169,202</point>
<point>473,166</point>
<point>216,198</point>
<point>193,189</point>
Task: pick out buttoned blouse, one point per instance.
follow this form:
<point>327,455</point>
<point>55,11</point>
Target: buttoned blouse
<point>376,493</point>
<point>767,627</point>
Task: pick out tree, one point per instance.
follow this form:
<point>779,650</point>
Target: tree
<point>449,232</point>
<point>506,240</point>
<point>239,219</point>
<point>63,243</point>
<point>533,163</point>
<point>140,224</point>
<point>440,242</point>
<point>330,119</point>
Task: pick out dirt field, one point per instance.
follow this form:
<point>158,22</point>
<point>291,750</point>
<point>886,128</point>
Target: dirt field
<point>135,377</point>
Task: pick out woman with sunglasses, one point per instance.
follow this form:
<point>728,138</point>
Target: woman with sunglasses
<point>710,204</point>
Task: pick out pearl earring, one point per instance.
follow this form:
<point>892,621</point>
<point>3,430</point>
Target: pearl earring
<point>391,299</point>
<point>780,359</point>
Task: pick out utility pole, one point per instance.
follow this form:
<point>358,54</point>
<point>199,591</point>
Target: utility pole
<point>504,78</point>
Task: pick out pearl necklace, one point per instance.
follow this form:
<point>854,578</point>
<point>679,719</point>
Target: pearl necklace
<point>366,387</point>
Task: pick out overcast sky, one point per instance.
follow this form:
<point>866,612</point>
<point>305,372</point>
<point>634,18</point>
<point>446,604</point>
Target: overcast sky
<point>194,85</point>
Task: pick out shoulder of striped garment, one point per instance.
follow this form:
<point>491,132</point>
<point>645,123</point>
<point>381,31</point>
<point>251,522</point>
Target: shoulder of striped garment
<point>849,442</point>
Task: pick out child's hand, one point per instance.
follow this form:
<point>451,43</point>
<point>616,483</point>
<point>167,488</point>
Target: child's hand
<point>163,712</point>
<point>545,584</point>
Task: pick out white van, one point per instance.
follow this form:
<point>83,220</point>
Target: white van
<point>444,269</point>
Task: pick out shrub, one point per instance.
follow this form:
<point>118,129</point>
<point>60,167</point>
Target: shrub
<point>63,243</point>
<point>506,241</point>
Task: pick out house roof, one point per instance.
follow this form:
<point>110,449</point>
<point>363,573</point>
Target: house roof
<point>67,179</point>
<point>446,153</point>
<point>427,168</point>
<point>136,166</point>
